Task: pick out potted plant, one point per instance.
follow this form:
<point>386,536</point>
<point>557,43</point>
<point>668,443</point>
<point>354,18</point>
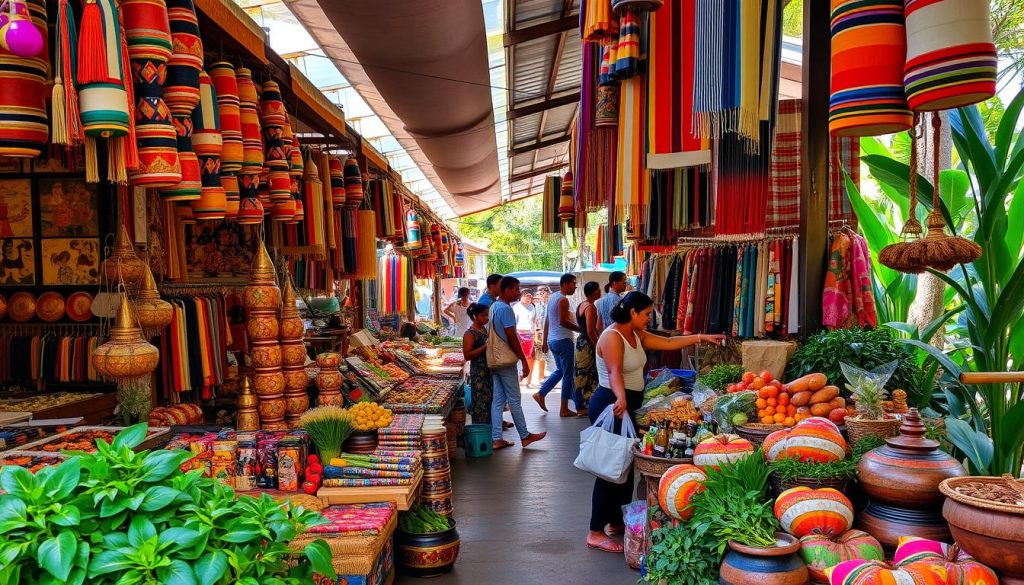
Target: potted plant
<point>426,543</point>
<point>867,388</point>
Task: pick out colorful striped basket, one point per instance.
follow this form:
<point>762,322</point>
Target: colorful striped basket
<point>24,129</point>
<point>206,140</point>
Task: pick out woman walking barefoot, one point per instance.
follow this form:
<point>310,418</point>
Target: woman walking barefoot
<point>586,368</point>
<point>620,373</point>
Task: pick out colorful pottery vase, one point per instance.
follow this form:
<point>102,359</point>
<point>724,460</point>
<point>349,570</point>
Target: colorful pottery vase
<point>268,382</point>
<point>126,356</point>
<point>262,326</point>
<point>295,378</point>
<point>991,532</point>
<point>778,565</point>
<point>360,442</point>
<point>265,354</point>
<point>889,523</point>
<point>328,360</point>
<point>24,127</point>
<point>293,353</point>
<point>427,555</point>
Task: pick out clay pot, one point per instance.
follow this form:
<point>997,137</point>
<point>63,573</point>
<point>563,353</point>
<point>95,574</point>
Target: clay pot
<point>328,380</point>
<point>295,379</point>
<point>777,565</point>
<point>438,502</point>
<point>888,523</point>
<point>993,537</point>
<point>272,409</point>
<point>265,354</point>
<point>292,328</point>
<point>436,483</point>
<point>293,353</point>
<point>908,469</point>
<point>296,404</point>
<point>262,327</point>
<point>360,442</point>
<point>330,398</point>
<point>437,442</point>
<point>328,360</point>
<point>263,297</point>
<point>268,382</point>
<point>427,555</point>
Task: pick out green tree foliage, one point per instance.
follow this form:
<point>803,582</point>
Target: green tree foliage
<point>512,232</point>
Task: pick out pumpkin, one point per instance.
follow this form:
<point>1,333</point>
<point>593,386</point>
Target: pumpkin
<point>677,486</point>
<point>802,511</point>
<point>862,572</point>
<point>812,439</point>
<point>822,552</point>
<point>960,567</point>
<point>712,452</point>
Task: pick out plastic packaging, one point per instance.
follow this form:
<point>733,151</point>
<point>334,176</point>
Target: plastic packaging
<point>729,405</point>
<point>634,516</point>
<point>702,393</point>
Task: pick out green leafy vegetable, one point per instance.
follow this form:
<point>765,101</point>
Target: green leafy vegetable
<point>864,348</point>
<point>792,468</point>
<point>721,376</point>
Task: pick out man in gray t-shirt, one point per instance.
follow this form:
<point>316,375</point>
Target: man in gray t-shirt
<point>612,295</point>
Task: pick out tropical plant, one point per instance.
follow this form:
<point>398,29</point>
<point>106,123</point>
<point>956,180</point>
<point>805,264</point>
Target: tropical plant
<point>117,516</point>
<point>986,422</point>
<point>865,348</point>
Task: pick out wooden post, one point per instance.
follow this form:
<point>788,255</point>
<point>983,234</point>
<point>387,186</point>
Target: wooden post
<point>814,151</point>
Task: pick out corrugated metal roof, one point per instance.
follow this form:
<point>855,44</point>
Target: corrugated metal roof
<point>534,11</point>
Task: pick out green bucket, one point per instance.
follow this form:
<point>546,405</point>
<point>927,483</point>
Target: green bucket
<point>478,441</point>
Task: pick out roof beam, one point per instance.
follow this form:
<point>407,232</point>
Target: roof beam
<point>557,102</point>
<point>539,31</point>
<point>522,149</point>
<point>538,171</point>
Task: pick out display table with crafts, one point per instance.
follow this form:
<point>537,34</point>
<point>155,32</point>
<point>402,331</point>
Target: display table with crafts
<point>360,537</point>
<point>94,407</point>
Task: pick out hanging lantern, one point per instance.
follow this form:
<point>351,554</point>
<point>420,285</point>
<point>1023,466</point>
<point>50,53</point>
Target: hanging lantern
<point>412,230</point>
<point>232,197</point>
<point>353,183</point>
<point>183,211</point>
<point>181,93</point>
<point>24,130</point>
<point>126,356</point>
<point>300,212</point>
<point>336,168</point>
<point>951,59</point>
<point>225,84</point>
<point>250,211</point>
<point>283,211</point>
<point>565,199</point>
<point>153,312</point>
<point>124,265</point>
<point>208,144</point>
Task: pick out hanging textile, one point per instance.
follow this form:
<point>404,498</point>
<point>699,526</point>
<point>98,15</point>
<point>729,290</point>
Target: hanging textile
<point>671,141</point>
<point>250,209</point>
<point>550,224</point>
<point>366,252</point>
<point>630,196</point>
<point>741,177</point>
<point>208,144</point>
<point>848,298</point>
<point>394,284</point>
<point>625,54</point>
<point>597,20</point>
<point>869,48</point>
<point>844,158</point>
<point>181,94</point>
<point>49,358</point>
<point>784,182</point>
<point>193,354</point>
<point>598,123</point>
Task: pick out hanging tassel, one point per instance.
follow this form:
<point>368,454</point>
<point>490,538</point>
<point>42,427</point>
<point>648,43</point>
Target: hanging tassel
<point>92,49</point>
<point>92,161</point>
<point>117,169</point>
<point>131,146</point>
<point>66,126</point>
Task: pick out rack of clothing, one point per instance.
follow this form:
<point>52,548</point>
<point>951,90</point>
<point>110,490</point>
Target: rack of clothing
<point>193,349</point>
<point>48,357</point>
<point>743,289</point>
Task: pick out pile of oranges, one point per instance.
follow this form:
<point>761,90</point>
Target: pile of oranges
<point>368,416</point>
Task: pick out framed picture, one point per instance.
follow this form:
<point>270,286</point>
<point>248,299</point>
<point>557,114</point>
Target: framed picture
<point>219,250</point>
<point>71,261</point>
<point>17,262</point>
<point>16,208</point>
<point>67,209</point>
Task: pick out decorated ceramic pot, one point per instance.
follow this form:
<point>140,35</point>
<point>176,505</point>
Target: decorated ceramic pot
<point>908,469</point>
<point>427,555</point>
<point>360,442</point>
<point>328,380</point>
<point>296,404</point>
<point>330,398</point>
<point>993,535</point>
<point>295,379</point>
<point>436,483</point>
<point>22,307</point>
<point>436,463</point>
<point>265,354</point>
<point>292,328</point>
<point>889,523</point>
<point>262,327</point>
<point>778,565</point>
<point>293,353</point>
<point>263,297</point>
<point>268,382</point>
<point>272,408</point>
<point>328,360</point>
<point>440,503</point>
<point>437,443</point>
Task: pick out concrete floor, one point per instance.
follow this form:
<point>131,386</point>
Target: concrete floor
<point>523,514</point>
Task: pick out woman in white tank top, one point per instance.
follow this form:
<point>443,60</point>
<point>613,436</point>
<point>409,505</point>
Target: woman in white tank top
<point>620,370</point>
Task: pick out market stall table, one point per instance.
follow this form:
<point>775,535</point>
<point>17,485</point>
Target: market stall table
<point>403,496</point>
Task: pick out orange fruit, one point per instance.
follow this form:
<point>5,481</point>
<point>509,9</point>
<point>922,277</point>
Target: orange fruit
<point>772,402</point>
<point>772,391</point>
<point>769,410</point>
<point>779,417</point>
<point>757,384</point>
<point>760,413</point>
<point>790,421</point>
<point>762,393</point>
<point>790,410</point>
<point>761,403</point>
<point>766,376</point>
<point>783,399</point>
<point>748,377</point>
<point>767,420</point>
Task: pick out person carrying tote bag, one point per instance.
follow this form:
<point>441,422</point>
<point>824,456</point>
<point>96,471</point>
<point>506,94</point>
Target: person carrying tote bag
<point>499,354</point>
<point>604,453</point>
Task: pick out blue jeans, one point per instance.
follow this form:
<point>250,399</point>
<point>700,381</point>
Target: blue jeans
<point>506,389</point>
<point>564,351</point>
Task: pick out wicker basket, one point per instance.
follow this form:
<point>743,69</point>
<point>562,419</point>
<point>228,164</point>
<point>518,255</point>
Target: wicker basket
<point>778,486</point>
<point>859,428</point>
<point>949,488</point>
<point>654,466</point>
<point>756,433</point>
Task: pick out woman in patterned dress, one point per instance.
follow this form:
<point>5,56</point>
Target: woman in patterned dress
<point>587,318</point>
<point>474,349</point>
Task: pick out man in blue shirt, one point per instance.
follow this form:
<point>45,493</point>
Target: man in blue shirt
<point>493,291</point>
<point>612,295</point>
<point>506,380</point>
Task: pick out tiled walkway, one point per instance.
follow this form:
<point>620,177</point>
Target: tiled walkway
<point>523,514</point>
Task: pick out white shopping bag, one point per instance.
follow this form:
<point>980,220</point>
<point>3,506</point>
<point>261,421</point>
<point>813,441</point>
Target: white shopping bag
<point>602,452</point>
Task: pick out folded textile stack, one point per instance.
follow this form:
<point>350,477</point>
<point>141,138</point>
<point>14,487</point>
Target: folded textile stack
<point>402,434</point>
<point>381,468</point>
<point>11,437</point>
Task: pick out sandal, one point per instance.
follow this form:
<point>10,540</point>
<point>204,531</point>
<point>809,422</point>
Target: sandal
<point>505,425</point>
<point>612,530</point>
<point>606,544</point>
<point>496,445</point>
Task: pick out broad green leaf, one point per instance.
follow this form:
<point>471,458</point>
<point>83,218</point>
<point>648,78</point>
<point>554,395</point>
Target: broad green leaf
<point>140,530</point>
<point>210,567</point>
<point>241,535</point>
<point>954,185</point>
<point>969,134</point>
<point>157,497</point>
<point>994,197</point>
<point>57,554</point>
<point>76,576</point>
<point>1014,236</point>
<point>937,354</point>
<point>69,515</point>
<point>975,445</point>
<point>178,573</point>
<point>1008,128</point>
<point>63,479</point>
<point>319,555</point>
<point>131,437</point>
<point>114,540</point>
<point>1008,306</point>
<point>932,328</point>
<point>160,464</point>
<point>17,481</point>
<point>181,538</point>
<point>1011,434</point>
<point>13,513</point>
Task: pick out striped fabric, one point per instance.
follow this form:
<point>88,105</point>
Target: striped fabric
<point>869,49</point>
<point>104,104</point>
<point>353,183</point>
<point>630,183</point>
<point>784,173</point>
<point>671,142</point>
<point>181,93</point>
<point>23,122</point>
<point>206,141</point>
<point>228,110</point>
<point>336,168</point>
<point>951,59</point>
<point>845,155</point>
<point>597,20</point>
<point>625,55</point>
